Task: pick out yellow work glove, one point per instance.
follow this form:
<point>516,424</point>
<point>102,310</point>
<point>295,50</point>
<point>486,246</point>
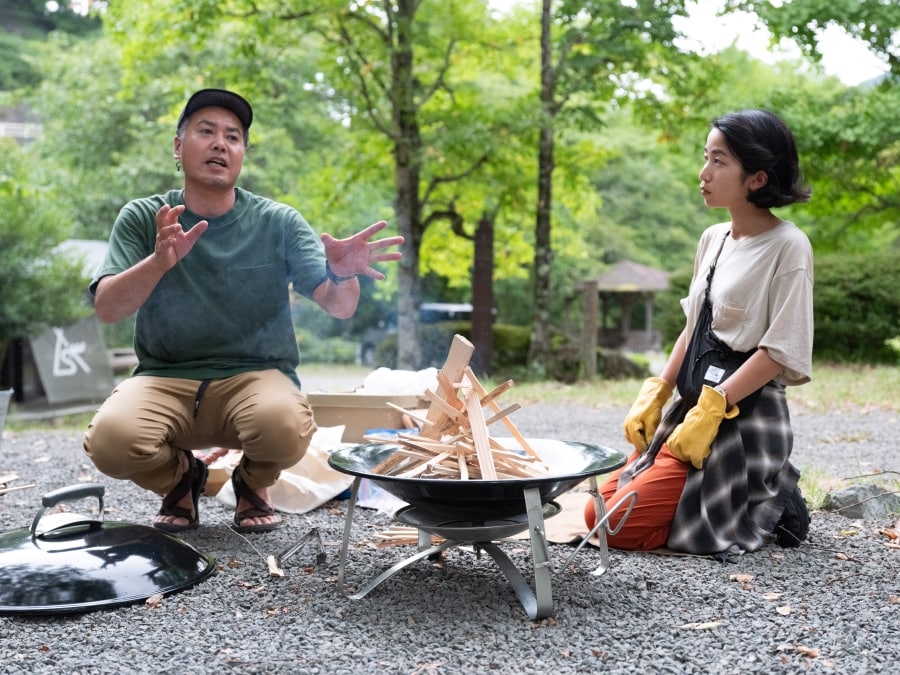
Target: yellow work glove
<point>646,412</point>
<point>692,439</point>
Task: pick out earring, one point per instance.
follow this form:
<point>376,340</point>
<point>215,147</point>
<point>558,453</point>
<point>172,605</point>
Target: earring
<point>177,165</point>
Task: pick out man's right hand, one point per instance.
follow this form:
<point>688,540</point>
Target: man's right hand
<point>646,412</point>
<point>172,242</point>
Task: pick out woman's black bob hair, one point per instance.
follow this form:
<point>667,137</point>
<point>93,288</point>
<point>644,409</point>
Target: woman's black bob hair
<point>763,142</point>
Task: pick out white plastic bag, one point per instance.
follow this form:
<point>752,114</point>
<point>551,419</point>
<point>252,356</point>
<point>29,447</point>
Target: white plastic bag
<point>305,486</point>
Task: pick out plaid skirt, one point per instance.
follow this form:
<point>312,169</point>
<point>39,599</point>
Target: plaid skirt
<point>736,499</point>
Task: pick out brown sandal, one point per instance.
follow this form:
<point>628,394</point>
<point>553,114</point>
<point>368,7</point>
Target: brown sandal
<point>192,480</point>
<point>258,508</point>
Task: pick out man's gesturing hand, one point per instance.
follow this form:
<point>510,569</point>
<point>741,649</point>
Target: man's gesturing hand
<point>355,255</point>
<point>172,242</point>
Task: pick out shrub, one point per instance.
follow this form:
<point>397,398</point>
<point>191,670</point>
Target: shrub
<point>857,307</point>
<point>38,286</point>
<point>315,349</point>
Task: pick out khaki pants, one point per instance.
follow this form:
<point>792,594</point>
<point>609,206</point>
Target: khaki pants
<point>139,433</point>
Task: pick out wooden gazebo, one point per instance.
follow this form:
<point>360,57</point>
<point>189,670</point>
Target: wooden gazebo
<point>625,283</point>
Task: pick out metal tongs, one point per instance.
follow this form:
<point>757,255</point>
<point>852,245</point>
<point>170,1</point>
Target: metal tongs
<point>314,535</point>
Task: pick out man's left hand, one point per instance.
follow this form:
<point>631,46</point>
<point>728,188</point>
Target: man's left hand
<point>354,255</point>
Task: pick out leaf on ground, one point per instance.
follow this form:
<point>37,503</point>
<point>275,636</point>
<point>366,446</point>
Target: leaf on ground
<point>771,596</point>
<point>154,601</point>
<point>743,579</point>
<point>784,610</point>
<point>889,532</point>
<point>806,651</point>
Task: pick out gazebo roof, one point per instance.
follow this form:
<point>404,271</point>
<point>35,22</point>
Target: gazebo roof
<point>631,277</point>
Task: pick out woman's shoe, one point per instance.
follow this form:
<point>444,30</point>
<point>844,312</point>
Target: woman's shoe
<point>793,526</point>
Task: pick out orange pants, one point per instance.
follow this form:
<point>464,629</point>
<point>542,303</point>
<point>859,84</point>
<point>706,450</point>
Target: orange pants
<point>658,490</point>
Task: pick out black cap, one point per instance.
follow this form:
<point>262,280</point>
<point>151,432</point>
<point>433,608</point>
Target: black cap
<point>218,98</point>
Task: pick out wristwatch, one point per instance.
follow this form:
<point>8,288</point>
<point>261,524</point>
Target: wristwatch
<point>719,388</point>
<point>336,278</point>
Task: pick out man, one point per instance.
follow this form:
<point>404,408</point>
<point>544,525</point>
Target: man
<point>207,270</point>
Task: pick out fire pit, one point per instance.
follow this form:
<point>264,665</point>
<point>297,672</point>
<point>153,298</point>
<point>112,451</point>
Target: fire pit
<point>570,463</point>
<point>479,512</point>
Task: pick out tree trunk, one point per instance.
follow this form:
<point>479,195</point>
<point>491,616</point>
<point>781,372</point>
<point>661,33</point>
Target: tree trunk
<point>540,350</point>
<point>589,317</point>
<point>483,297</point>
<point>408,166</point>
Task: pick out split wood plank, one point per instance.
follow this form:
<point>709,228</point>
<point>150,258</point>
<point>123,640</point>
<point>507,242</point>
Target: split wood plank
<point>513,429</point>
<point>458,358</point>
<point>480,434</point>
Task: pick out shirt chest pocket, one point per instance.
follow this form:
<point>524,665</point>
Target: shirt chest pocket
<point>728,321</point>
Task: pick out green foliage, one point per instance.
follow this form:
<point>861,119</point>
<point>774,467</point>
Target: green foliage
<point>38,286</point>
<point>651,212</point>
<point>894,345</point>
<point>875,22</point>
<point>510,348</point>
<point>119,335</point>
<point>16,70</point>
<point>38,17</point>
<point>857,307</point>
<point>614,365</point>
<point>669,318</point>
<point>315,349</point>
<point>319,84</point>
<point>856,303</point>
<point>850,153</point>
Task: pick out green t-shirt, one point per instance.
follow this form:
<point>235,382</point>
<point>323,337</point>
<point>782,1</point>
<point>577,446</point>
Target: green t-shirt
<point>224,308</point>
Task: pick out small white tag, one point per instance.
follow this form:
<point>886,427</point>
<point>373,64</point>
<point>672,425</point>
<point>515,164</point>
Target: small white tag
<point>714,374</point>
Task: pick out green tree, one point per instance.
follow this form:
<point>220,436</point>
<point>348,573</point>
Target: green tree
<point>847,134</point>
<point>390,75</point>
<point>591,53</point>
<point>875,22</point>
<point>39,287</point>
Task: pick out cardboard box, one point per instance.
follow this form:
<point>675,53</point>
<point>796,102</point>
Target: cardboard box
<point>361,412</point>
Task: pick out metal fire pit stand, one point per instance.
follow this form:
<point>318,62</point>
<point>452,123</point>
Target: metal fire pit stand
<point>538,603</point>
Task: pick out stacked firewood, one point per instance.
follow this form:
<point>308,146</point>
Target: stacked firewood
<point>453,439</point>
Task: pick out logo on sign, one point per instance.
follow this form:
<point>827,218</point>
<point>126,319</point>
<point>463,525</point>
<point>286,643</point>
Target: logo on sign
<point>67,356</point>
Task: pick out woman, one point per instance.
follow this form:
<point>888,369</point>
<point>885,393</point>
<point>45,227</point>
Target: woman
<point>713,478</point>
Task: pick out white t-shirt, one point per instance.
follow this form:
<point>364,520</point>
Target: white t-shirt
<point>761,294</point>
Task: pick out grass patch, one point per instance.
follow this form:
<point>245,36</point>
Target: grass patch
<point>849,387</point>
<point>833,388</point>
<point>76,422</point>
<point>845,388</point>
<point>815,485</point>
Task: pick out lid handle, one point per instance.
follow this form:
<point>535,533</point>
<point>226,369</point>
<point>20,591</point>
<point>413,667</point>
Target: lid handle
<point>69,494</point>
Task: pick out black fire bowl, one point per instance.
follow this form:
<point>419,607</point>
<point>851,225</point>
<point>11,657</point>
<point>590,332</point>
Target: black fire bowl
<point>569,462</point>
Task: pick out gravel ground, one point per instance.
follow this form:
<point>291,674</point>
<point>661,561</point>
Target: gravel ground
<point>830,606</point>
